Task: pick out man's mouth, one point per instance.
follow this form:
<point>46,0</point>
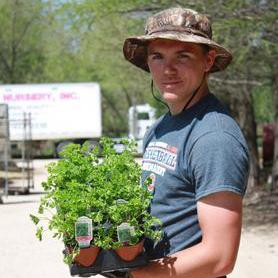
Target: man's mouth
<point>171,82</point>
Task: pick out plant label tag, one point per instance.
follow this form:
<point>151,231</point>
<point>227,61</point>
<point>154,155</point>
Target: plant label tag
<point>121,202</point>
<point>125,232</point>
<point>83,231</point>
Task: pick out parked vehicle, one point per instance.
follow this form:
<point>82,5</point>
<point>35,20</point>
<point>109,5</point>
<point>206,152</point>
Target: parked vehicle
<point>268,144</point>
<point>61,113</point>
<point>140,118</point>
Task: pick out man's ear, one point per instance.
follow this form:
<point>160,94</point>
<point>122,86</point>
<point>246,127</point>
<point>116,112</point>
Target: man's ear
<point>211,55</point>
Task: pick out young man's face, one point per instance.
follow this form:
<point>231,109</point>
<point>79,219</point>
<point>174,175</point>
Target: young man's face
<point>178,69</point>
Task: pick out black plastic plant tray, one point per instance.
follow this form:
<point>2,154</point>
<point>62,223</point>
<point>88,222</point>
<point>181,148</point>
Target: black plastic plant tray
<point>107,261</point>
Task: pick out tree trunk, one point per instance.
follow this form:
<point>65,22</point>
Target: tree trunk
<point>250,130</point>
<point>242,109</point>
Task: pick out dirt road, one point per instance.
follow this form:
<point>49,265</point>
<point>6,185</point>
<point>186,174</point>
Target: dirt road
<point>23,256</point>
<point>258,254</point>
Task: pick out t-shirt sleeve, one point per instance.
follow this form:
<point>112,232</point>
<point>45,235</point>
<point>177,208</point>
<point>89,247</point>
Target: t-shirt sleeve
<point>219,162</point>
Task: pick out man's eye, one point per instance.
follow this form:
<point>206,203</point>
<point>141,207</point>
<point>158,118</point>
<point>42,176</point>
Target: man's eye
<point>156,57</point>
<point>183,56</point>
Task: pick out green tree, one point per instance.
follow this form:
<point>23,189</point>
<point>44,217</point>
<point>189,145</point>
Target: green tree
<point>21,25</point>
<point>71,41</point>
<point>103,30</point>
<point>246,27</point>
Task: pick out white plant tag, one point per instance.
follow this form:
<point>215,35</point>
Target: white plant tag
<point>125,232</point>
<point>121,202</point>
<point>83,231</point>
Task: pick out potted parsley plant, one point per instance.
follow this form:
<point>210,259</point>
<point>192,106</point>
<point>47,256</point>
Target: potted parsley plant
<point>126,219</point>
<point>106,191</point>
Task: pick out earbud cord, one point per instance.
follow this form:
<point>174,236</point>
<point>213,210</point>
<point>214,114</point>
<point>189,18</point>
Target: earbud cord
<point>157,98</point>
<point>194,93</point>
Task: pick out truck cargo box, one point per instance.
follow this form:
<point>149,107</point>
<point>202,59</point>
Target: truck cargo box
<point>57,111</point>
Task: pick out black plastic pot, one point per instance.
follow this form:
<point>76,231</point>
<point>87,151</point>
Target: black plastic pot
<point>107,262</point>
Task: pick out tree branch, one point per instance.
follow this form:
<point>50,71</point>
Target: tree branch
<point>5,62</point>
<point>237,82</point>
<point>112,105</point>
<point>26,27</point>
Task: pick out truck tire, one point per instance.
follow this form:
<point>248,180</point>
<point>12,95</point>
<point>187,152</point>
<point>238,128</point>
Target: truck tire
<point>61,146</point>
<point>92,144</point>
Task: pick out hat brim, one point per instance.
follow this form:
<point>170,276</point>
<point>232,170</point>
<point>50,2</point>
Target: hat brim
<point>135,50</point>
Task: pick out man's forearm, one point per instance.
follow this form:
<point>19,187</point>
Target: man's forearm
<point>198,261</point>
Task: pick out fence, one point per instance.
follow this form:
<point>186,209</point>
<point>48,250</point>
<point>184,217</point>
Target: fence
<point>16,175</point>
<point>4,146</point>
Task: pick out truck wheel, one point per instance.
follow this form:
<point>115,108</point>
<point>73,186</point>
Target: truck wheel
<point>92,145</point>
<point>60,147</point>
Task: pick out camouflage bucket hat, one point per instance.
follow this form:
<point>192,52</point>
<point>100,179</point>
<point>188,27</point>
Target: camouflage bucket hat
<point>177,24</point>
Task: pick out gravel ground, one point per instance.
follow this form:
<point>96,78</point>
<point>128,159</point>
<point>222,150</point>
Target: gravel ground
<point>23,256</point>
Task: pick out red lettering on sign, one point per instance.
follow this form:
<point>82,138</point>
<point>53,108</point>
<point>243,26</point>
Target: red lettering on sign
<point>7,97</point>
<point>26,97</point>
<point>68,96</point>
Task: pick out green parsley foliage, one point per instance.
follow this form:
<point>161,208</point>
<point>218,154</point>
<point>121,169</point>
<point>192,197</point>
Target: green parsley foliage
<point>107,190</point>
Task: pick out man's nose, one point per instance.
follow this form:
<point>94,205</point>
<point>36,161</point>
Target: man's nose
<point>169,67</point>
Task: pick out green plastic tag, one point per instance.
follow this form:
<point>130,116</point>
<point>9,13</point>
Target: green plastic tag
<point>83,231</point>
<point>125,232</point>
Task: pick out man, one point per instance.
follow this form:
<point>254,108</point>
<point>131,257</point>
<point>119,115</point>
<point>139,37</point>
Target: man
<point>195,154</point>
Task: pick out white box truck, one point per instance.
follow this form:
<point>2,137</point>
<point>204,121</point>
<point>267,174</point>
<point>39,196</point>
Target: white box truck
<point>140,118</point>
<point>57,112</point>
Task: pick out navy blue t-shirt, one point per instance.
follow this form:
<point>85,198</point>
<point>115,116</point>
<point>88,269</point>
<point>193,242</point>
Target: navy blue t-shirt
<point>188,156</point>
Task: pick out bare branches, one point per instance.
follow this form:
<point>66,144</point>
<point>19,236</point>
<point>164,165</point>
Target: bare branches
<point>236,82</point>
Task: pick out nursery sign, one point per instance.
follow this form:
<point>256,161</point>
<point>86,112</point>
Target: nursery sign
<point>54,111</point>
